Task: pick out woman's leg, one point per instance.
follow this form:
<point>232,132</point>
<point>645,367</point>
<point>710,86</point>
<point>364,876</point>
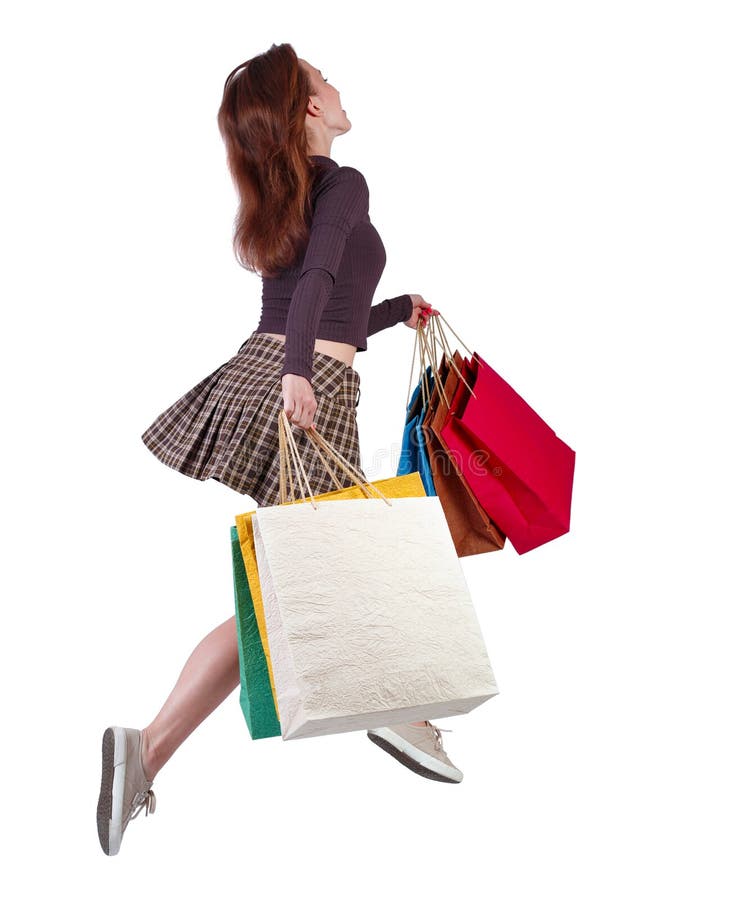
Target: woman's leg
<point>207,678</point>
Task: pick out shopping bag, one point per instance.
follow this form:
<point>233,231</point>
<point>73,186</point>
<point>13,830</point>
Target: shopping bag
<point>413,453</point>
<point>369,618</point>
<point>516,466</point>
<point>471,527</point>
<point>256,696</point>
<point>248,553</point>
<point>410,485</point>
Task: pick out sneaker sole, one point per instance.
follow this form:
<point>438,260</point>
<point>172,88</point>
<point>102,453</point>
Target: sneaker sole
<point>111,795</point>
<point>414,764</point>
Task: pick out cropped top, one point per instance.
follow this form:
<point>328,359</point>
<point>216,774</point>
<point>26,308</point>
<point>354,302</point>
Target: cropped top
<point>327,292</point>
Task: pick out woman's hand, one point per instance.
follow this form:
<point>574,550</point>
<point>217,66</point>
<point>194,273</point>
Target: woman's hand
<point>299,401</point>
<point>418,305</point>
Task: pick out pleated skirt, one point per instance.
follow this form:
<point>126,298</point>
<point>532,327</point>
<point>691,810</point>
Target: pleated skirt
<point>226,427</point>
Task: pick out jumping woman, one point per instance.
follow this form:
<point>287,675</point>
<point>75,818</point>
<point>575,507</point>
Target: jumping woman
<point>303,225</point>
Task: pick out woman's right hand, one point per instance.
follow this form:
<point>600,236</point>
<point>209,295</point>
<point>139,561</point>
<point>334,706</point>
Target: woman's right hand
<point>299,400</point>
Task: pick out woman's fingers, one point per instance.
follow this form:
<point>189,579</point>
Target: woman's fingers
<point>304,415</point>
<point>299,401</point>
<point>300,415</point>
<point>422,311</point>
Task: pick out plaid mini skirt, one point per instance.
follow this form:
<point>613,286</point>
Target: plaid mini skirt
<point>226,427</point>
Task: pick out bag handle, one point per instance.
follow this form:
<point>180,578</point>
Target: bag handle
<point>285,468</point>
<point>420,334</point>
<point>427,340</point>
<point>288,449</point>
<point>412,364</point>
<point>441,320</point>
<point>357,476</point>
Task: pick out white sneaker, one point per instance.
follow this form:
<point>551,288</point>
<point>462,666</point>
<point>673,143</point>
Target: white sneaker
<point>125,788</point>
<point>419,747</point>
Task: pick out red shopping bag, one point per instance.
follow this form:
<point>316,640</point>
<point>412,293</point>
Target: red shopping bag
<point>519,470</point>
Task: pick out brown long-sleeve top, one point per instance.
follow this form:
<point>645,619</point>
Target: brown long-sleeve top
<point>328,291</point>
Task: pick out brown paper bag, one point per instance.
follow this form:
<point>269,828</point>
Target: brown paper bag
<point>471,528</point>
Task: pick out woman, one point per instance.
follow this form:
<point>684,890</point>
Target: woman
<point>303,224</point>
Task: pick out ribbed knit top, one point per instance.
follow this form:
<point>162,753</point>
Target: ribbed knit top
<point>327,293</point>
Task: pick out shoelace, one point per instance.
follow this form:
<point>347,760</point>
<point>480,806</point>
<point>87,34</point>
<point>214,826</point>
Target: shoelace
<point>143,800</point>
<point>438,736</point>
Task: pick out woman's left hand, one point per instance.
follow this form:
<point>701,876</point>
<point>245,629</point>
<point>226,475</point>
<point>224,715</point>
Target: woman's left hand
<point>421,309</point>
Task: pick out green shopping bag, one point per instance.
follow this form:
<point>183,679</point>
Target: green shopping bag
<point>256,697</point>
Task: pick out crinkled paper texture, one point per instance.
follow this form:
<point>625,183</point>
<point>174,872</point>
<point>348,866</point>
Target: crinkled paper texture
<point>369,617</point>
<point>410,485</point>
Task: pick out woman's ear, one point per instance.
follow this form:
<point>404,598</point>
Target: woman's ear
<point>313,108</point>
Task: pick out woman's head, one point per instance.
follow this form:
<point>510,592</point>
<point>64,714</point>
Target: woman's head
<point>325,118</point>
<point>277,110</point>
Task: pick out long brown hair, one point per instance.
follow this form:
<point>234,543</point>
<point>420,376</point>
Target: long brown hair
<point>261,119</point>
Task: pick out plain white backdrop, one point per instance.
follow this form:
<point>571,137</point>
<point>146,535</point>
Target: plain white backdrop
<point>553,178</point>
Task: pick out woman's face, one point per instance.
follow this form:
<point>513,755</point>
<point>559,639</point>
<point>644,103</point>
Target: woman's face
<point>325,102</point>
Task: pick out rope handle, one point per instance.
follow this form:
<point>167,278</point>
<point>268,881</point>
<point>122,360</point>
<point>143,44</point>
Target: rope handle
<point>287,448</point>
<point>427,341</point>
<point>287,443</point>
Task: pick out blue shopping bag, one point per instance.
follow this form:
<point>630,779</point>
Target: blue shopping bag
<point>413,454</point>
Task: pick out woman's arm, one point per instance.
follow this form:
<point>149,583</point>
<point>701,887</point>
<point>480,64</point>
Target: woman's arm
<point>342,202</point>
<point>389,313</point>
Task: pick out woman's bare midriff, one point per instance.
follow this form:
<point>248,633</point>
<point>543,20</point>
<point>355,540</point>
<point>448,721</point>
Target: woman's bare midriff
<point>337,349</point>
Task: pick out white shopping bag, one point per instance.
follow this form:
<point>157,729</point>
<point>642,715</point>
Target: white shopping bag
<point>369,617</point>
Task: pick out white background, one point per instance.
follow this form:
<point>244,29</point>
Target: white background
<point>553,178</point>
